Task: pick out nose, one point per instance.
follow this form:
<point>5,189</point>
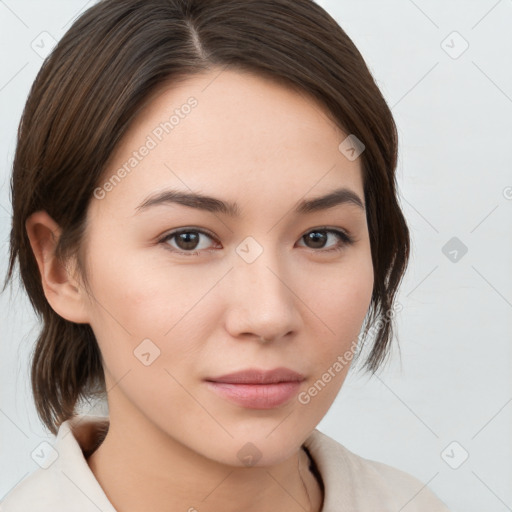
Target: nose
<point>260,299</point>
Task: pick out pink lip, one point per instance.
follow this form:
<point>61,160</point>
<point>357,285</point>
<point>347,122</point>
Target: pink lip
<point>255,376</point>
<point>258,389</point>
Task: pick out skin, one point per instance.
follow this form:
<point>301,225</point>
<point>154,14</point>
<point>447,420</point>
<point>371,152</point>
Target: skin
<point>267,147</point>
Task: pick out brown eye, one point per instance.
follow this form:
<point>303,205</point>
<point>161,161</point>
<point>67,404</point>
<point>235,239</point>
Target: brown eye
<point>186,241</point>
<point>318,238</point>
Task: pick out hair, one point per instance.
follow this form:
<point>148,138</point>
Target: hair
<point>88,92</point>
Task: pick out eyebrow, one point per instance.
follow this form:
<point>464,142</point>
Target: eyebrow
<point>212,204</point>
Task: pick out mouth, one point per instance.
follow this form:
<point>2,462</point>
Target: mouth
<point>257,389</point>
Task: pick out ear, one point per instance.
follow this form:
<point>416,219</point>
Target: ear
<point>64,293</point>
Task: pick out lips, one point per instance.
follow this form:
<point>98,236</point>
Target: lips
<point>255,376</point>
<point>257,389</point>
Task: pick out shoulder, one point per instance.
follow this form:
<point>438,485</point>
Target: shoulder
<point>64,481</point>
<point>368,484</point>
<point>35,493</point>
<point>54,490</point>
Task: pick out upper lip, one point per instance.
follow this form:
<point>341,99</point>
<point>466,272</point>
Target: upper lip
<point>256,376</point>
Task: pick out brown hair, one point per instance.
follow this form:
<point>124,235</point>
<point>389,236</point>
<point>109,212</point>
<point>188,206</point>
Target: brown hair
<point>88,92</point>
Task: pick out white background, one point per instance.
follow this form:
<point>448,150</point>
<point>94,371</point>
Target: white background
<point>452,378</point>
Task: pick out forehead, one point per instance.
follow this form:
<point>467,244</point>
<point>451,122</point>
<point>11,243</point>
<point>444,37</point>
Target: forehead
<point>233,135</point>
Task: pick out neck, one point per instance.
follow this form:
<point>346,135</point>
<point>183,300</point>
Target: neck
<point>174,477</point>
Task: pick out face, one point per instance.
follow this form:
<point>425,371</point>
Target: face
<point>172,310</point>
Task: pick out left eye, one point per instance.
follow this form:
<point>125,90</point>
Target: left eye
<point>320,236</point>
<point>188,240</point>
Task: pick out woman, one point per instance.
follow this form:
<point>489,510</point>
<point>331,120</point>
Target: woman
<point>205,216</point>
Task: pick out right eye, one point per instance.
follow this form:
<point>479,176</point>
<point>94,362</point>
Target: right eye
<point>187,240</point>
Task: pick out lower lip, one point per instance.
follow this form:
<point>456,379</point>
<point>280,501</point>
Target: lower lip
<point>256,396</point>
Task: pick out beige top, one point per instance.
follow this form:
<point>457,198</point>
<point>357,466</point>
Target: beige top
<point>65,483</point>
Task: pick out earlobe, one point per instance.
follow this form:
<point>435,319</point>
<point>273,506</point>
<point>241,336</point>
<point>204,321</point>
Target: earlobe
<point>63,292</point>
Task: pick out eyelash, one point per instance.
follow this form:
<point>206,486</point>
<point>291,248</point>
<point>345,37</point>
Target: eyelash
<point>345,237</point>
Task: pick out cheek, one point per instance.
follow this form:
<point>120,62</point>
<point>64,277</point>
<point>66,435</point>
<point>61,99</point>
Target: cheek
<point>341,295</point>
<point>355,293</point>
<point>146,310</point>
<point>339,304</point>
<point>136,290</point>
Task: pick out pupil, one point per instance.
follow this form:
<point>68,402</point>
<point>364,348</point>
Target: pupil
<point>318,237</point>
<point>189,239</point>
